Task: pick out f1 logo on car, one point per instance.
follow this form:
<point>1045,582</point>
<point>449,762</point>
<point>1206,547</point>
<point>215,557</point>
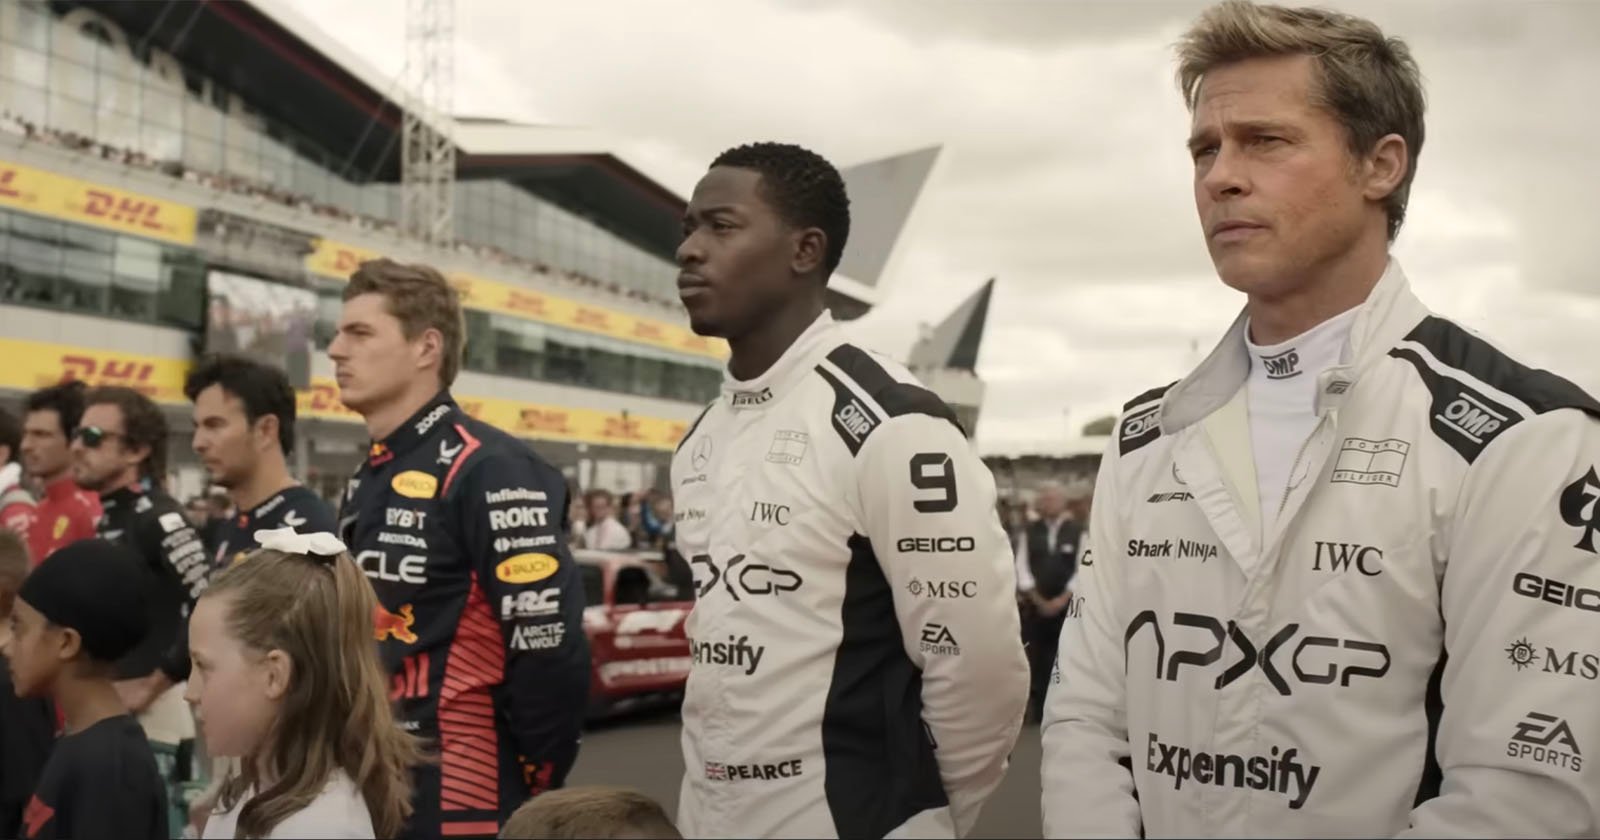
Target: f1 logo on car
<point>1580,508</point>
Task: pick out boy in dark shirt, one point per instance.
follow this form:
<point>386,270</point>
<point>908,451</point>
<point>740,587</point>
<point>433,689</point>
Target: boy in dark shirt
<point>75,616</point>
<point>26,726</point>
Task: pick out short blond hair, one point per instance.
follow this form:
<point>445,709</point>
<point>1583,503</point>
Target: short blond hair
<point>420,298</point>
<point>1367,80</point>
<point>590,811</point>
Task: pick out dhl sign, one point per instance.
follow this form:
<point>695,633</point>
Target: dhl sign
<point>30,365</point>
<point>338,261</point>
<point>58,196</point>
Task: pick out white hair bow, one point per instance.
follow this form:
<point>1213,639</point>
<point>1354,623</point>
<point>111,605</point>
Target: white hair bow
<point>320,544</point>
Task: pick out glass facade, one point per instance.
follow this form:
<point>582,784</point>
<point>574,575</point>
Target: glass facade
<point>61,265</point>
<point>79,73</point>
<point>507,217</point>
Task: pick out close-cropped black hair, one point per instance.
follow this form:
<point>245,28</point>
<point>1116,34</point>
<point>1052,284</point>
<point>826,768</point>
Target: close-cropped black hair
<point>802,186</point>
<point>65,399</point>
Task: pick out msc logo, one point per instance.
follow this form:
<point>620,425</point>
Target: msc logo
<point>944,589</point>
<point>1546,739</point>
<point>414,484</point>
<point>1580,508</point>
<point>526,568</point>
<point>1471,418</point>
<point>1285,365</point>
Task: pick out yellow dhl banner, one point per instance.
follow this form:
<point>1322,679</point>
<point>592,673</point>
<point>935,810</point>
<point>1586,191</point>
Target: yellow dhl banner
<point>337,260</point>
<point>29,365</point>
<point>58,196</point>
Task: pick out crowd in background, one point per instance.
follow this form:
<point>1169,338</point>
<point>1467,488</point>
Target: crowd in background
<point>257,190</point>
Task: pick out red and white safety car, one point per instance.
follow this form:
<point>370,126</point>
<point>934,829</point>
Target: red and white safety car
<point>634,621</point>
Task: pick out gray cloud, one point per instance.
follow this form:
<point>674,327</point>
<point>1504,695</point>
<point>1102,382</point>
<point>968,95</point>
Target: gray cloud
<point>1063,171</point>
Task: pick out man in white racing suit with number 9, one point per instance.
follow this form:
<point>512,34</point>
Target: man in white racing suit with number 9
<point>857,663</point>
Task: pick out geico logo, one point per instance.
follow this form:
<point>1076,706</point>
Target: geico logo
<point>427,422</point>
<point>660,621</point>
<point>514,494</point>
<point>538,636</point>
<point>736,651</point>
<point>526,568</point>
<point>1554,591</point>
<point>1279,771</point>
<point>530,604</point>
<point>718,772</point>
<point>1315,661</point>
<point>518,517</point>
<point>1472,418</point>
<point>936,545</point>
<point>411,568</point>
<point>400,518</point>
<point>737,577</point>
<point>407,540</point>
<point>414,484</point>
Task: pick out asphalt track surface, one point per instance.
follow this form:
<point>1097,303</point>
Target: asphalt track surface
<point>641,751</point>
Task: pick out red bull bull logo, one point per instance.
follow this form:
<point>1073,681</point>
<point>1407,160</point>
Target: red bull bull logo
<point>388,625</point>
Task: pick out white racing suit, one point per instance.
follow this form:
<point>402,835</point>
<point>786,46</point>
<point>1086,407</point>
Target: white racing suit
<point>1412,649</point>
<point>857,663</point>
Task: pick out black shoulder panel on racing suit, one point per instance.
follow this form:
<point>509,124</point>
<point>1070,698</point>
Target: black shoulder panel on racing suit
<point>1143,426</point>
<point>694,425</point>
<point>852,419</point>
<point>1464,417</point>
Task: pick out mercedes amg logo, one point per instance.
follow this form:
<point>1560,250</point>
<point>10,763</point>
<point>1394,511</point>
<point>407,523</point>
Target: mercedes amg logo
<point>701,454</point>
<point>1520,653</point>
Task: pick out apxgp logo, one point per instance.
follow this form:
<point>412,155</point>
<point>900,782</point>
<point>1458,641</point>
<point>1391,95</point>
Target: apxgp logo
<point>1316,660</point>
<point>737,577</point>
<point>1546,739</point>
<point>1280,771</point>
<point>1580,508</point>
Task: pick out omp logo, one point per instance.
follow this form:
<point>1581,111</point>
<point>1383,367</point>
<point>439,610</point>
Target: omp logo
<point>1545,739</point>
<point>1285,365</point>
<point>1280,771</point>
<point>123,210</point>
<point>854,420</point>
<point>1341,556</point>
<point>526,568</point>
<point>1580,508</point>
<point>1141,424</point>
<point>1471,417</point>
<point>1315,660</point>
<point>414,484</point>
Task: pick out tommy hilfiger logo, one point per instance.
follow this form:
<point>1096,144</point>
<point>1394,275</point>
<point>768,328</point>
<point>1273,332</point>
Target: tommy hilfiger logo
<point>1363,461</point>
<point>1285,365</point>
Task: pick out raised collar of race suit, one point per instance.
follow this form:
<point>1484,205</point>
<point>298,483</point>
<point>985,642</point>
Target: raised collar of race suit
<point>413,431</point>
<point>793,366</point>
<point>1382,320</point>
<point>62,488</point>
<point>128,493</point>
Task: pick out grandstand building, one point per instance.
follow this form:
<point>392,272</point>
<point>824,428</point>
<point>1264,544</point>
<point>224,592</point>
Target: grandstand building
<point>154,152</point>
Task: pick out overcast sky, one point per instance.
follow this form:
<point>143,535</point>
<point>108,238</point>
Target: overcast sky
<point>1064,172</point>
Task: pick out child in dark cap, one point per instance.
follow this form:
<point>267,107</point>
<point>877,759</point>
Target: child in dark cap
<point>27,725</point>
<point>76,614</point>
